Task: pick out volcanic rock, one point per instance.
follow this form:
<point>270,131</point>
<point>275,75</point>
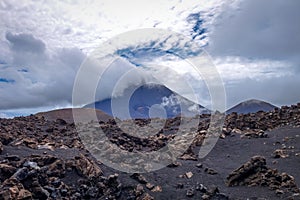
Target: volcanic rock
<point>57,168</point>
<point>150,186</point>
<point>256,173</point>
<point>21,174</point>
<point>32,165</point>
<point>210,171</point>
<point>189,157</point>
<point>139,190</point>
<point>40,193</point>
<point>5,138</point>
<point>12,157</point>
<point>201,188</point>
<point>140,178</point>
<point>199,165</point>
<point>1,147</point>
<point>189,175</point>
<point>180,185</point>
<point>30,142</point>
<point>87,167</point>
<point>146,196</point>
<point>213,190</point>
<point>221,196</point>
<point>6,171</point>
<point>10,189</point>
<point>157,189</point>
<point>190,192</point>
<point>280,153</point>
<point>174,164</point>
<point>205,197</point>
<point>24,194</point>
<point>254,134</point>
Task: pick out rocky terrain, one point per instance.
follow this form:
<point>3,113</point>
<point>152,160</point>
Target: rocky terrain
<point>256,157</point>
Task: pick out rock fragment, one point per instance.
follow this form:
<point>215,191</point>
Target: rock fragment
<point>190,192</point>
<point>189,175</point>
<point>211,171</point>
<point>150,186</point>
<point>199,165</point>
<point>140,178</point>
<point>157,189</point>
<point>139,190</point>
<point>21,174</point>
<point>146,196</point>
<point>280,153</point>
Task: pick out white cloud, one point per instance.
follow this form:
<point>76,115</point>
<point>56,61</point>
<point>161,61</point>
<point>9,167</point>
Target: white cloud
<point>237,68</point>
<point>42,46</point>
<point>87,23</point>
<point>3,115</point>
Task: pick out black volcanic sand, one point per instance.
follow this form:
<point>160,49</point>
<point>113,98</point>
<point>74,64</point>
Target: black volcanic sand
<point>42,159</point>
<point>227,155</point>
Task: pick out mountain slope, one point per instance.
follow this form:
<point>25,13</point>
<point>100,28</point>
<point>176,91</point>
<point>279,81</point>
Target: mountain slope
<point>148,101</point>
<point>251,106</point>
<point>83,114</point>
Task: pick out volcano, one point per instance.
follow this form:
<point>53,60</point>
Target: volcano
<point>148,101</point>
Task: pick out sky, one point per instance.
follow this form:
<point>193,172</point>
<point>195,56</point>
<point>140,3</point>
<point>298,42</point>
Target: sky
<point>255,46</point>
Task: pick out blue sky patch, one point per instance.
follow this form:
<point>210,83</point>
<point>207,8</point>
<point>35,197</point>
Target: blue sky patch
<point>197,21</point>
<point>23,70</point>
<point>4,80</point>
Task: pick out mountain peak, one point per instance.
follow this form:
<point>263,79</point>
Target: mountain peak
<point>251,106</point>
<point>148,101</point>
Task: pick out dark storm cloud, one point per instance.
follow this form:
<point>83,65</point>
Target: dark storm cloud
<point>36,77</point>
<point>25,43</point>
<point>259,29</point>
<point>25,49</point>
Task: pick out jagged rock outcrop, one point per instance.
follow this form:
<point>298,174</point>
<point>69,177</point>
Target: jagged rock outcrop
<point>256,173</point>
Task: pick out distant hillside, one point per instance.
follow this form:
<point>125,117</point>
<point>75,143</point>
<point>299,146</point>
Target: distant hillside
<point>141,103</point>
<point>251,106</point>
<point>85,114</point>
